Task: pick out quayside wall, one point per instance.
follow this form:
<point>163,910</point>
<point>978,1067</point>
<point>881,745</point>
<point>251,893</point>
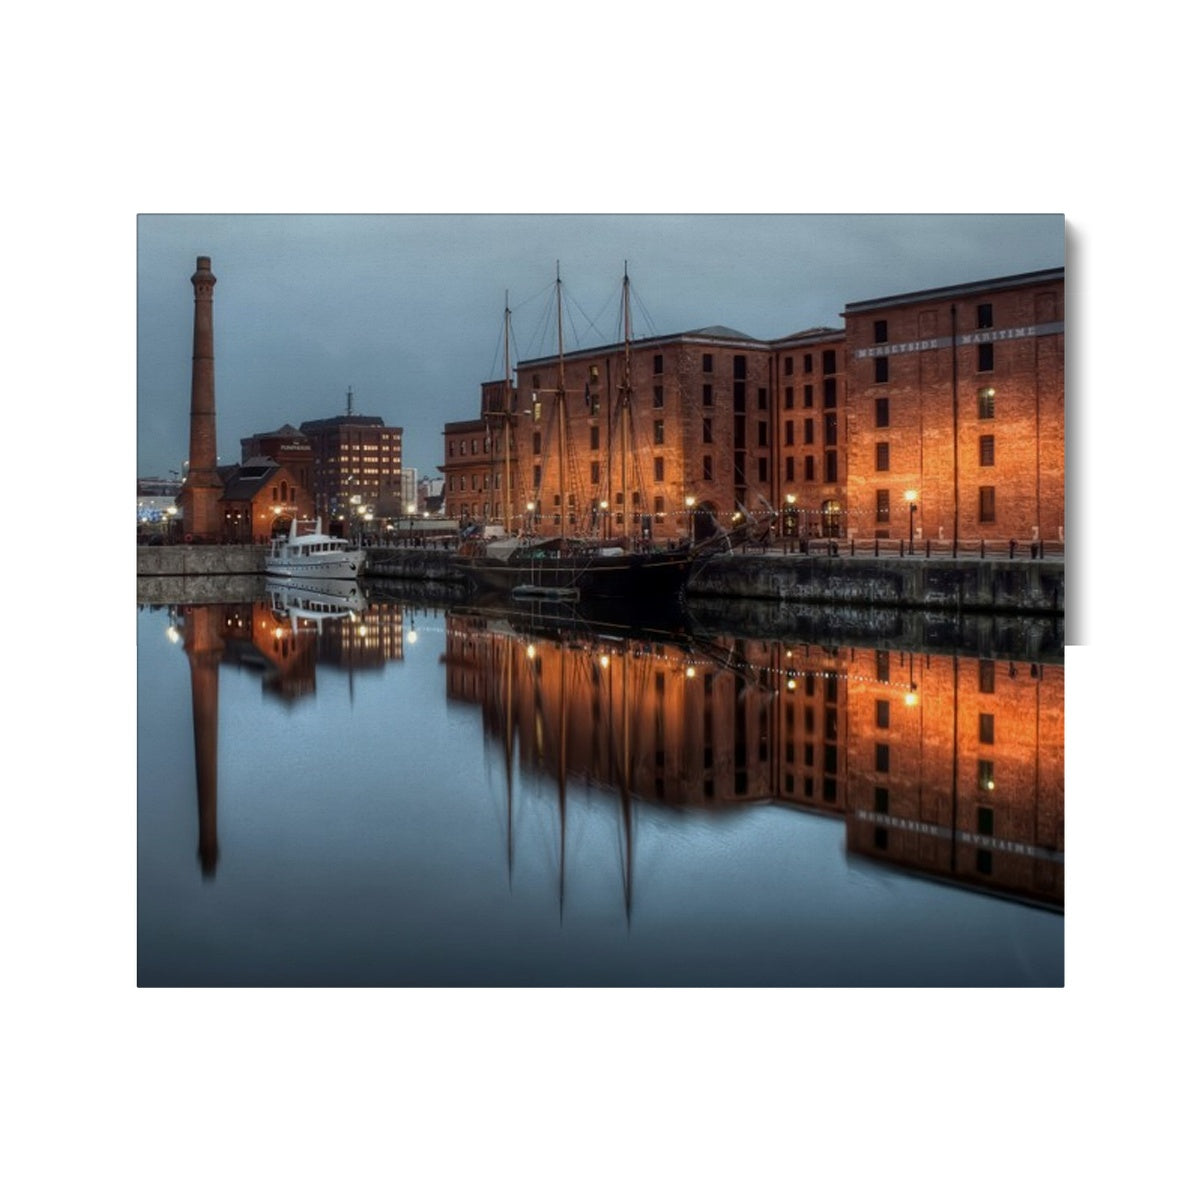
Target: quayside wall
<point>957,585</point>
<point>953,585</point>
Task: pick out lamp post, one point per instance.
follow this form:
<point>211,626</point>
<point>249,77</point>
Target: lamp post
<point>911,497</point>
<point>689,503</point>
<point>529,518</point>
<point>604,518</point>
<point>789,517</point>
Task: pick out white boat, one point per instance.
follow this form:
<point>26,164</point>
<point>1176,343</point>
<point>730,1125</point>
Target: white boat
<point>307,553</point>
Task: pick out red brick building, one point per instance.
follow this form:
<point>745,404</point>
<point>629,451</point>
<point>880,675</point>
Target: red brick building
<point>943,407</point>
<point>697,442</point>
<point>810,433</point>
<point>288,447</point>
<point>260,498</point>
<point>357,462</point>
<point>956,411</point>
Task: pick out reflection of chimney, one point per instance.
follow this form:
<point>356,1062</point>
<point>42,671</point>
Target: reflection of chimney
<point>203,643</point>
<point>202,488</point>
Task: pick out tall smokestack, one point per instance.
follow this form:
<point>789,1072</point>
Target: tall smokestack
<point>202,488</point>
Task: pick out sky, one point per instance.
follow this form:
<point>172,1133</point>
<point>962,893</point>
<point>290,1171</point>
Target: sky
<point>407,310</point>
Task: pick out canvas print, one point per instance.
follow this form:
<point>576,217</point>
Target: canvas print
<point>559,600</point>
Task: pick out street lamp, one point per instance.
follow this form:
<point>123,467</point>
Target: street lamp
<point>689,502</point>
<point>789,517</point>
<point>604,517</point>
<point>529,518</point>
<point>911,497</point>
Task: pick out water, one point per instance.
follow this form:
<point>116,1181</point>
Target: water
<point>415,796</point>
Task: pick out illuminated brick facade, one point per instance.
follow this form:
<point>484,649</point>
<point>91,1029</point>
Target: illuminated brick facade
<point>946,406</point>
<point>956,396</point>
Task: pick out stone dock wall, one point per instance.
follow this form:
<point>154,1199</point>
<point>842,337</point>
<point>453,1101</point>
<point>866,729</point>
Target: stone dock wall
<point>952,585</point>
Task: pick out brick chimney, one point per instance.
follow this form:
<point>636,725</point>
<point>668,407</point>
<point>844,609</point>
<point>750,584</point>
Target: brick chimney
<point>202,489</point>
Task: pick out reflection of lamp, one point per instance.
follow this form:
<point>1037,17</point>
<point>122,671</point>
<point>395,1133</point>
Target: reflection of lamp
<point>910,697</point>
<point>911,497</point>
<point>604,513</point>
<point>689,502</point>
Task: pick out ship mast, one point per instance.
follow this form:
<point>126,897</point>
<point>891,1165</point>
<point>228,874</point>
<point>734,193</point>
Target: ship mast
<point>506,424</point>
<point>560,405</point>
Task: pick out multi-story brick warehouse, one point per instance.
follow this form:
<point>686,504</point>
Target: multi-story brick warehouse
<point>844,434</point>
<point>356,456</point>
<point>697,443</point>
<point>810,433</point>
<point>955,413</point>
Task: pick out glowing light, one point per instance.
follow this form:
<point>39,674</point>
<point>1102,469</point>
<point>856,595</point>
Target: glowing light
<point>690,672</point>
<point>910,699</point>
<point>531,651</point>
<point>173,635</point>
<point>604,661</point>
<point>411,637</point>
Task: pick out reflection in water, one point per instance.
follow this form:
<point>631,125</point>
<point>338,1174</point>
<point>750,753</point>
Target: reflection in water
<point>940,764</point>
<point>283,636</point>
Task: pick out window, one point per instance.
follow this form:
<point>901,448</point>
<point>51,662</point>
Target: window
<point>762,398</point>
<point>739,366</point>
<point>987,403</point>
<point>987,676</point>
<point>831,469</point>
<point>762,433</point>
<point>660,508</point>
<point>789,469</point>
<point>987,728</point>
<point>987,505</point>
<point>987,775</point>
<point>883,666</point>
<point>881,800</point>
<point>658,469</point>
<point>595,472</point>
<point>883,506</point>
<point>789,433</point>
<point>762,470</point>
<point>706,434</point>
<point>658,433</point>
<point>708,395</point>
<point>789,397</point>
<point>882,757</point>
<point>830,390</point>
<point>983,316</point>
<point>595,437</point>
<point>537,442</point>
<point>883,714</point>
<point>986,357</point>
<point>809,431</point>
<point>881,456</point>
<point>808,395</point>
<point>708,467</point>
<point>787,365</point>
<point>810,468</point>
<point>882,416</point>
<point>808,364</point>
<point>658,364</point>
<point>880,331</point>
<point>829,362</point>
<point>658,395</point>
<point>881,370</point>
<point>987,450</point>
<point>831,429</point>
<point>707,362</point>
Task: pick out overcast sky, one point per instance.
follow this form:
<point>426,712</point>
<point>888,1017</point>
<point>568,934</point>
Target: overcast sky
<point>408,310</point>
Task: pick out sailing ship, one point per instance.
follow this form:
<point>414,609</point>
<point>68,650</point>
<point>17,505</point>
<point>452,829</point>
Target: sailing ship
<point>574,568</point>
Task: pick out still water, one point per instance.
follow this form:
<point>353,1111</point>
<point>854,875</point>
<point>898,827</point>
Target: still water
<point>393,794</point>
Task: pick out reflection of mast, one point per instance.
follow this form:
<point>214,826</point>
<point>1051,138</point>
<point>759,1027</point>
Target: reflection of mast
<point>562,782</point>
<point>204,646</point>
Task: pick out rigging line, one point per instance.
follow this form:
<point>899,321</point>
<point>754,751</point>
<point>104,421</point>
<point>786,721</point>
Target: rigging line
<point>644,312</point>
<point>583,313</point>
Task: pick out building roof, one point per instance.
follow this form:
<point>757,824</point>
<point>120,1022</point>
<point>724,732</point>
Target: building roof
<point>244,481</point>
<point>819,333</point>
<point>1000,283</point>
<point>344,420</point>
<point>709,333</point>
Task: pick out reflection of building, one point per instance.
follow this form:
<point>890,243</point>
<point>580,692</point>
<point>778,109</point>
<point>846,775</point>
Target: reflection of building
<point>939,764</point>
